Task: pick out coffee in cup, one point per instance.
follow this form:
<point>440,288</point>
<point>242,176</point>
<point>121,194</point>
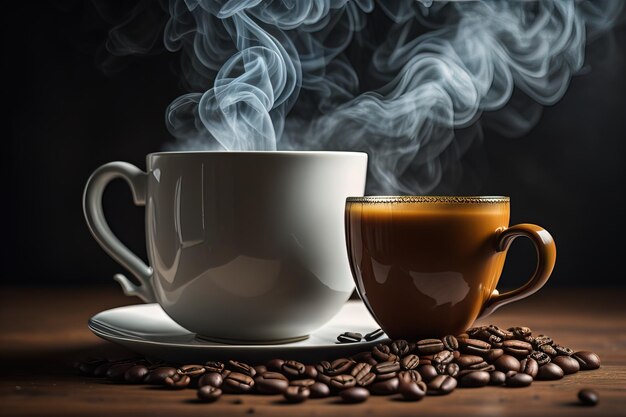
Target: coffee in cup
<point>429,266</point>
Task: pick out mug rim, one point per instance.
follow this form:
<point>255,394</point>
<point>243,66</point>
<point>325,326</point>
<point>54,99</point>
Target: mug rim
<point>384,199</point>
<point>287,152</point>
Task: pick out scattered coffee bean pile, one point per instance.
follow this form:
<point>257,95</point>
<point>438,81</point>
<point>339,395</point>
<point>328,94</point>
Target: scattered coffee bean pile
<point>483,356</point>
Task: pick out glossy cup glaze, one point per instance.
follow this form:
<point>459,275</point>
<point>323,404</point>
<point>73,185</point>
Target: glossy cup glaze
<point>429,266</point>
<point>245,247</point>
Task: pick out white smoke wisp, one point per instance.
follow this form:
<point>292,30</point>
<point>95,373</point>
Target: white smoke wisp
<point>394,79</point>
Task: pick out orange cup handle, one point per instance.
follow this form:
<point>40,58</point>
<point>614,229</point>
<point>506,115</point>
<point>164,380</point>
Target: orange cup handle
<point>546,256</point>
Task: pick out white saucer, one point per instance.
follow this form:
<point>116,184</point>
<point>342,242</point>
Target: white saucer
<point>146,329</point>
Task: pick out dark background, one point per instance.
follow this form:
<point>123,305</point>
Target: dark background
<point>64,118</point>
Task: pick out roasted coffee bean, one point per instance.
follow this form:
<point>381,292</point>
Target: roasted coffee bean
<point>425,362</point>
<point>479,366</point>
<point>507,363</point>
<point>349,337</point>
<point>563,351</point>
<point>237,383</point>
<point>177,381</point>
<point>393,358</point>
<point>99,371</point>
<point>259,369</point>
<point>588,397</point>
<point>302,382</point>
<point>441,385</point>
<point>136,374</point>
<point>548,349</point>
<point>517,348</point>
<point>296,394</point>
<point>319,390</point>
<point>529,366</point>
<point>410,362</point>
<point>89,366</point>
<point>213,379</point>
<point>374,335</point>
<point>517,379</point>
<point>192,371</point>
<point>387,387</point>
<point>474,347</point>
<point>549,372</point>
<point>354,395</point>
<point>365,380</point>
<point>225,373</point>
<point>275,365</point>
<point>481,334</point>
<point>568,364</point>
<point>473,331</point>
<point>310,371</point>
<point>497,378</point>
<point>293,369</point>
<point>386,368</point>
<point>412,375</point>
<point>443,357</point>
<point>587,360</point>
<point>157,376</point>
<point>543,340</point>
<point>540,357</point>
<point>118,371</point>
<point>381,352</point>
<point>429,346</point>
<point>493,355</point>
<point>412,390</point>
<point>450,342</point>
<point>323,367</point>
<point>452,369</point>
<point>323,378</point>
<point>340,366</point>
<point>496,331</point>
<point>475,379</point>
<point>241,367</point>
<point>360,369</point>
<point>467,360</point>
<point>428,372</point>
<point>520,332</point>
<point>507,334</point>
<point>209,393</point>
<point>271,383</point>
<point>214,366</point>
<point>341,382</point>
<point>364,357</point>
<point>400,347</point>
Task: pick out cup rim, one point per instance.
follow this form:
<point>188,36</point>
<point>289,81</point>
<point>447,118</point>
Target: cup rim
<point>166,153</point>
<point>430,199</point>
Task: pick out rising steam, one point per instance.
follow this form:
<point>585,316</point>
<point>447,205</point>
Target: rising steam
<point>392,78</point>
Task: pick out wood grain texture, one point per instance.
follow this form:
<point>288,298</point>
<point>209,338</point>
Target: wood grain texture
<point>43,330</point>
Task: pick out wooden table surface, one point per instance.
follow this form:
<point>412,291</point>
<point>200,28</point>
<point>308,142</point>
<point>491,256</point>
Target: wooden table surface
<point>43,330</point>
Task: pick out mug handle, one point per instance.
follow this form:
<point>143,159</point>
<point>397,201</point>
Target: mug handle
<point>546,256</point>
<point>94,215</point>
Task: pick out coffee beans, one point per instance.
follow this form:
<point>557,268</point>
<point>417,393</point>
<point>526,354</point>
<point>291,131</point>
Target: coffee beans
<point>429,346</point>
<point>588,397</point>
<point>506,363</point>
<point>475,379</point>
<point>409,362</point>
<point>549,372</point>
<point>518,379</point>
<point>209,393</point>
<point>441,385</point>
<point>136,374</point>
<point>349,337</point>
<point>568,364</point>
<point>412,390</point>
<point>374,335</point>
<point>486,355</point>
<point>271,383</point>
<point>587,360</point>
<point>354,395</point>
<point>295,394</point>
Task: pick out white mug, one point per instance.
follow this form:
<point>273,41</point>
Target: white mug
<point>244,247</point>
